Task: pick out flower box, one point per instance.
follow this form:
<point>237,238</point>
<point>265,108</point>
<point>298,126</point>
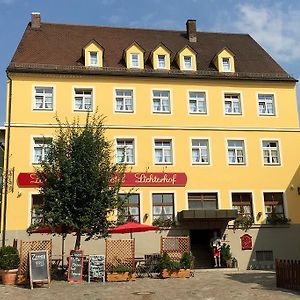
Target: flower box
<point>181,273</point>
<point>120,276</point>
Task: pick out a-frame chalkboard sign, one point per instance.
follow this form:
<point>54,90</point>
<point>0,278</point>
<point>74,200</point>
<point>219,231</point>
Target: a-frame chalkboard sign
<point>96,267</point>
<point>39,267</point>
<point>75,269</point>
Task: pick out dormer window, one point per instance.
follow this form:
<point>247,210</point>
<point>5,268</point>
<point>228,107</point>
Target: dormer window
<point>226,64</point>
<point>187,60</point>
<point>93,58</point>
<point>134,60</point>
<point>161,61</point>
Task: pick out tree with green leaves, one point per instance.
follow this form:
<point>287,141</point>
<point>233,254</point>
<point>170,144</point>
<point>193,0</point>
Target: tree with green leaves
<point>80,181</point>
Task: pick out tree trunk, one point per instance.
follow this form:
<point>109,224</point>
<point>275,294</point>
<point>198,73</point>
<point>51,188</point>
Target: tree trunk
<point>77,243</point>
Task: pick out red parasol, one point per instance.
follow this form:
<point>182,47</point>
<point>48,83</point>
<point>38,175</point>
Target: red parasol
<point>131,227</point>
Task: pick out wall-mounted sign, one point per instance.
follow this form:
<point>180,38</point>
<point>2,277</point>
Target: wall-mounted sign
<point>131,179</point>
<point>246,242</point>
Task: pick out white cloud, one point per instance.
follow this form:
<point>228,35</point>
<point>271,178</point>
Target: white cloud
<point>275,27</point>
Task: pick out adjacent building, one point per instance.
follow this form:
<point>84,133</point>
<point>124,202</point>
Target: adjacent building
<point>207,124</point>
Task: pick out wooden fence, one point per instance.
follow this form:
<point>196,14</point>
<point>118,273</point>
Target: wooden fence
<point>288,274</point>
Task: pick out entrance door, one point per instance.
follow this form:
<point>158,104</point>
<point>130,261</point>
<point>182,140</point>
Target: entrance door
<point>200,247</point>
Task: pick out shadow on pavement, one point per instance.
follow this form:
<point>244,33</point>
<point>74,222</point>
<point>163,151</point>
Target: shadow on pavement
<point>260,280</point>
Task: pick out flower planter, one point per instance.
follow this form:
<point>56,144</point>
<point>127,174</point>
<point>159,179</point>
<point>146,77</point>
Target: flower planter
<point>123,276</point>
<point>9,276</point>
<point>181,273</point>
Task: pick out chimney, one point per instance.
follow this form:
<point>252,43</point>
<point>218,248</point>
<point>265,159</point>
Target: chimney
<point>191,30</point>
<point>35,20</point>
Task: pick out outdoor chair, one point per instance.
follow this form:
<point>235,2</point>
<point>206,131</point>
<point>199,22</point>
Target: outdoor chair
<point>149,266</point>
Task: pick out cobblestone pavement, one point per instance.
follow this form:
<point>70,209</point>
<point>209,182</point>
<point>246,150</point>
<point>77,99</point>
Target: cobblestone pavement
<point>205,285</point>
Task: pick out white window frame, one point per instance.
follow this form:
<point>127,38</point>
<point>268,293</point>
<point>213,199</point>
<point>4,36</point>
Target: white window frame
<point>235,150</point>
<point>161,64</point>
<point>161,100</point>
<point>266,102</point>
<point>199,148</point>
<point>44,95</point>
<point>163,149</point>
<point>226,66</point>
<point>269,150</point>
<point>124,98</point>
<point>91,63</point>
<point>125,147</point>
<point>233,98</point>
<point>163,192</point>
<point>185,65</point>
<point>198,100</point>
<point>84,97</point>
<point>40,142</point>
<point>133,62</point>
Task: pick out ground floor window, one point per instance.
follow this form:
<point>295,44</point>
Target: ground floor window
<point>243,203</point>
<point>163,206</point>
<point>37,202</point>
<point>266,255</point>
<point>274,204</point>
<point>203,200</point>
<point>131,208</point>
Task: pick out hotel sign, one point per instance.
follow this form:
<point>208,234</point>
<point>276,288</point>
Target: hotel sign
<point>131,179</point>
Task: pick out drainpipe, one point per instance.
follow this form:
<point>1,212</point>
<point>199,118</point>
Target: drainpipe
<point>6,162</point>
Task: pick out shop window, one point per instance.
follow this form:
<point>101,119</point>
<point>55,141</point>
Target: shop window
<point>163,206</point>
<point>243,203</point>
<point>203,201</point>
<point>37,203</point>
<point>131,207</point>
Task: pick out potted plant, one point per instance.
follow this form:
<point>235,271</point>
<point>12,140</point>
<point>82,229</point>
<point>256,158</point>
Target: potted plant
<point>275,219</point>
<point>121,273</point>
<point>226,255</point>
<point>9,264</point>
<point>243,222</point>
<point>163,223</point>
<point>174,269</point>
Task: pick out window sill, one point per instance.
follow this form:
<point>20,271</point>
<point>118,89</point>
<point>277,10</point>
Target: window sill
<point>43,109</point>
<point>124,111</point>
<point>162,112</point>
<point>198,113</point>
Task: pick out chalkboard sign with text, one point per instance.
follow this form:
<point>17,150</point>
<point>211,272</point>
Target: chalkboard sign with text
<point>96,267</point>
<point>75,269</point>
<point>39,267</point>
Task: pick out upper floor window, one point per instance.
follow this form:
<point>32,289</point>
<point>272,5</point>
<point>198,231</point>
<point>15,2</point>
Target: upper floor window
<point>125,151</point>
<point>124,100</point>
<point>226,64</point>
<point>161,101</point>
<point>243,203</point>
<point>232,104</point>
<point>161,62</point>
<point>203,200</point>
<point>266,105</point>
<point>200,153</point>
<point>163,151</point>
<point>271,152</point>
<point>41,147</point>
<point>83,99</point>
<point>236,152</point>
<point>187,60</point>
<point>197,103</point>
<point>43,98</point>
<point>274,205</point>
<point>130,210</point>
<point>163,206</point>
<point>134,60</point>
<point>93,58</point>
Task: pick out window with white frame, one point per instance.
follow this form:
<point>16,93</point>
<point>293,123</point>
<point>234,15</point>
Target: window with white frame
<point>134,60</point>
<point>161,61</point>
<point>226,64</point>
<point>37,204</point>
<point>93,58</point>
<point>271,152</point>
<point>161,101</point>
<point>43,98</point>
<point>266,105</point>
<point>125,151</point>
<point>236,152</point>
<point>232,104</point>
<point>200,153</point>
<point>124,100</point>
<point>83,99</point>
<point>130,210</point>
<point>187,62</point>
<point>41,147</point>
<point>197,103</point>
<point>274,204</point>
<point>163,151</point>
<point>163,206</point>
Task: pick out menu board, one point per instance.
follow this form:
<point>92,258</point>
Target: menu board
<point>39,267</point>
<point>75,268</point>
<point>96,268</point>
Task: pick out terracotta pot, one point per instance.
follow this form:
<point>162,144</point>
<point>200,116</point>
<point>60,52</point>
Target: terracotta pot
<point>181,273</point>
<point>9,276</point>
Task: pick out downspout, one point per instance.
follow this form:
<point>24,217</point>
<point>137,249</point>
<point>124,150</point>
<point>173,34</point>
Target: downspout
<point>7,146</point>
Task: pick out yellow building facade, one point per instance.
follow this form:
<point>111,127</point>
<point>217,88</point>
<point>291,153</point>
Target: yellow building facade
<point>233,134</point>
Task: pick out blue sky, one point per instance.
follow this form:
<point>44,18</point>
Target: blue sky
<point>274,24</point>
